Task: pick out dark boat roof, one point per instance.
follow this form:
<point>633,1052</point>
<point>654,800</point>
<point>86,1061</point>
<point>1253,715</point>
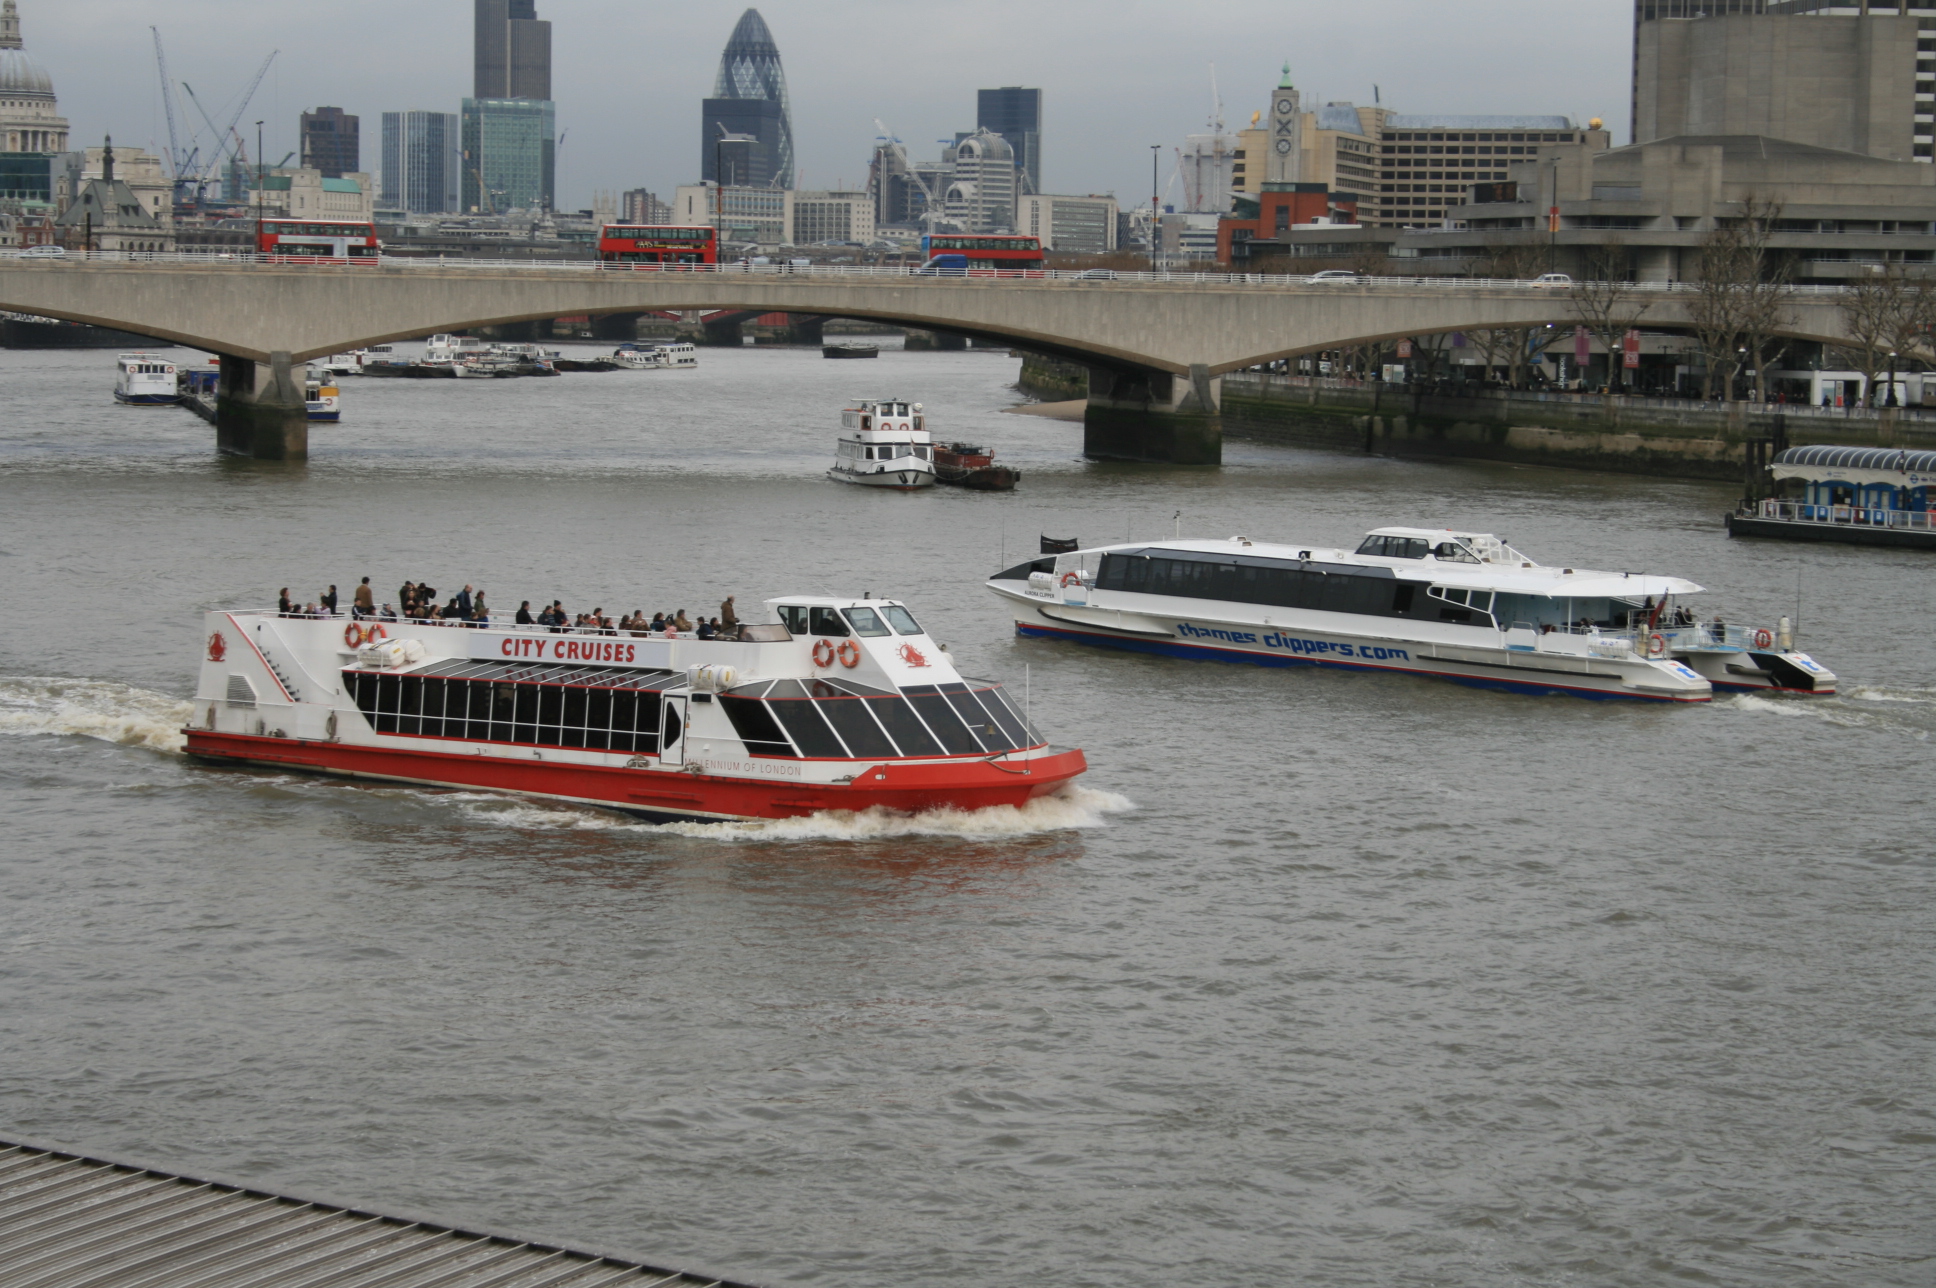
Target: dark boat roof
<point>1860,458</point>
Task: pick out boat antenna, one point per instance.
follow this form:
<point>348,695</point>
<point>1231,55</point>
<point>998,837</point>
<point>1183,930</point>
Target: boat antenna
<point>1178,517</point>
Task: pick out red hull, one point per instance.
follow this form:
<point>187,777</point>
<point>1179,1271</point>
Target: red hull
<point>661,795</point>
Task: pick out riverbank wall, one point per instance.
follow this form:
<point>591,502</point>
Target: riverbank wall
<point>1051,379</point>
<point>1579,431</point>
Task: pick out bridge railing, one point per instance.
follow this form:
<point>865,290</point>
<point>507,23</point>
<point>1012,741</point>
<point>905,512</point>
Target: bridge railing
<point>1086,277</point>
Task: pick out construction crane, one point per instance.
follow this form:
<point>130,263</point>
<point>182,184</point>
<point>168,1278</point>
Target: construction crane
<point>931,213</point>
<point>176,161</point>
<point>228,131</point>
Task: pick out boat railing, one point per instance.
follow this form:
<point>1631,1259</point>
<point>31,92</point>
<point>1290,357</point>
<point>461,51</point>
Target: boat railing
<point>1862,516</point>
<point>1676,637</point>
<point>490,624</point>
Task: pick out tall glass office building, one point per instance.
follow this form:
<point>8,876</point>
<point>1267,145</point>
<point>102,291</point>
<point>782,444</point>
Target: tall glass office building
<point>423,156</point>
<point>510,159</point>
<point>510,155</point>
<point>1015,113</point>
<point>750,98</point>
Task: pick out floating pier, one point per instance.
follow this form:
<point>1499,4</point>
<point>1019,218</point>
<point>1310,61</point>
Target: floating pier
<point>85,1221</point>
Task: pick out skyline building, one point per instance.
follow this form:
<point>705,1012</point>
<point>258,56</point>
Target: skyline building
<point>1846,77</point>
<point>1015,113</point>
<point>981,193</point>
<point>749,98</point>
<point>332,142</point>
<point>510,155</point>
<point>510,127</point>
<point>422,163</point>
<point>513,51</point>
<point>32,129</point>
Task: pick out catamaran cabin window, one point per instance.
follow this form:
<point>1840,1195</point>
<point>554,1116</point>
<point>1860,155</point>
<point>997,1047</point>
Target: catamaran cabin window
<point>1453,552</point>
<point>826,621</point>
<point>794,617</point>
<point>866,622</point>
<point>903,621</point>
<point>1396,547</point>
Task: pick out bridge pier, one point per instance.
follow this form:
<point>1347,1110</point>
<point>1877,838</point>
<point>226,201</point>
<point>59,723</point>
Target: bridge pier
<point>617,327</point>
<point>1145,415</point>
<point>260,411</point>
<point>724,335</point>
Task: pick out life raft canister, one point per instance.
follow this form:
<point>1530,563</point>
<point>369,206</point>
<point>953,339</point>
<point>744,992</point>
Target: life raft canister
<point>823,652</point>
<point>849,654</point>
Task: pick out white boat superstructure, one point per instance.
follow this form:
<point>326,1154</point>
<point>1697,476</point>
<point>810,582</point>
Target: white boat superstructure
<point>1463,606</point>
<point>838,704</point>
<point>634,357</point>
<point>145,380</point>
<point>676,357</point>
<point>884,443</point>
<point>449,350</point>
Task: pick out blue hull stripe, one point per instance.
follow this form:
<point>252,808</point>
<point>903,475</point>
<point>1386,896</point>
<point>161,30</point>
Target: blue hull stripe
<point>1200,652</point>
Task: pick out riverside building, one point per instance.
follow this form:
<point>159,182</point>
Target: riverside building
<point>509,124</point>
<point>332,142</point>
<point>423,156</point>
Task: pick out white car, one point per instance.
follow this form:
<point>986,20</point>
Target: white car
<point>1552,282</point>
<point>1335,275</point>
<point>42,252</point>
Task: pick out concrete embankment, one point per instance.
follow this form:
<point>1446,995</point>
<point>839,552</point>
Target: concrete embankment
<point>1624,435</point>
<point>1052,379</point>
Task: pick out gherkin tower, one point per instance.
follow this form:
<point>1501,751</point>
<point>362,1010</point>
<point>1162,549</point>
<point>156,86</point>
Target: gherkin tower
<point>749,99</point>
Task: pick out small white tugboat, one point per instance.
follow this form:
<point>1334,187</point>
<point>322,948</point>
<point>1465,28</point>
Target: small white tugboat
<point>837,704</point>
<point>1461,606</point>
<point>143,380</point>
<point>884,444</point>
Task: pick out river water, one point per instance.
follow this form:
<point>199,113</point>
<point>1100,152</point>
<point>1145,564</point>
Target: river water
<point>1320,978</point>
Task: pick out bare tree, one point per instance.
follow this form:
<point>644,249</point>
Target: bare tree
<point>1887,314</point>
<point>1607,304</point>
<point>1743,300</point>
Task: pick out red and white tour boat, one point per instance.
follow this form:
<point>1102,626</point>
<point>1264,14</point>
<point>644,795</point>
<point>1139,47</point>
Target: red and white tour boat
<point>840,704</point>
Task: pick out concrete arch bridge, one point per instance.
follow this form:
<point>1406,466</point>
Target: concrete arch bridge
<point>1156,345</point>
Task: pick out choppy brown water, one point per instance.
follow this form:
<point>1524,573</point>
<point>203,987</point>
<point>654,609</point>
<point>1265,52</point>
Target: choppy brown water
<point>1380,982</point>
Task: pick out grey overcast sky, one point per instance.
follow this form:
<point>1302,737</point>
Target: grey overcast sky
<point>1117,75</point>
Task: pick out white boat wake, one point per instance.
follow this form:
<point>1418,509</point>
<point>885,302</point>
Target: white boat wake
<point>117,713</point>
<point>1074,808</point>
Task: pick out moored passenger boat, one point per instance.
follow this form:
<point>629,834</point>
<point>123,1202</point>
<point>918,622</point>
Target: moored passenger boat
<point>1462,606</point>
<point>884,444</point>
<point>840,704</point>
<point>321,396</point>
<point>1867,496</point>
<point>679,356</point>
<point>144,380</point>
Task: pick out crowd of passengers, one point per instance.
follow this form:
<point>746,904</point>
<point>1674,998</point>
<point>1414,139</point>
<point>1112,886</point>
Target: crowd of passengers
<point>468,608</point>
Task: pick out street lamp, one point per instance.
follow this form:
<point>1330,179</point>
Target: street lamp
<point>1889,399</point>
<point>1156,221</point>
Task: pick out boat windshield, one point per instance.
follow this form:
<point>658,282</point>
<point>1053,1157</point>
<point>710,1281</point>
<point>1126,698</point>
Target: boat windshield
<point>1396,547</point>
<point>866,622</point>
<point>902,619</point>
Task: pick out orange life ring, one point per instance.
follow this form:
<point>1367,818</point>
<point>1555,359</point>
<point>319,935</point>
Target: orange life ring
<point>823,652</point>
<point>1071,578</point>
<point>353,635</point>
<point>1656,645</point>
<point>371,634</point>
<point>849,654</point>
<point>1764,638</point>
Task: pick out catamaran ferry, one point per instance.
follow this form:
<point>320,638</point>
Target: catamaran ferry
<point>839,704</point>
<point>1461,606</point>
<point>884,444</point>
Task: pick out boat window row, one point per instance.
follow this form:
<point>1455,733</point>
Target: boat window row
<point>1417,548</point>
<point>840,720</point>
<point>613,712</point>
<point>871,623</point>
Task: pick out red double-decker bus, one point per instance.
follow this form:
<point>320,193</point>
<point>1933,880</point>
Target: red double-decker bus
<point>982,252</point>
<point>658,244</point>
<point>317,239</point>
